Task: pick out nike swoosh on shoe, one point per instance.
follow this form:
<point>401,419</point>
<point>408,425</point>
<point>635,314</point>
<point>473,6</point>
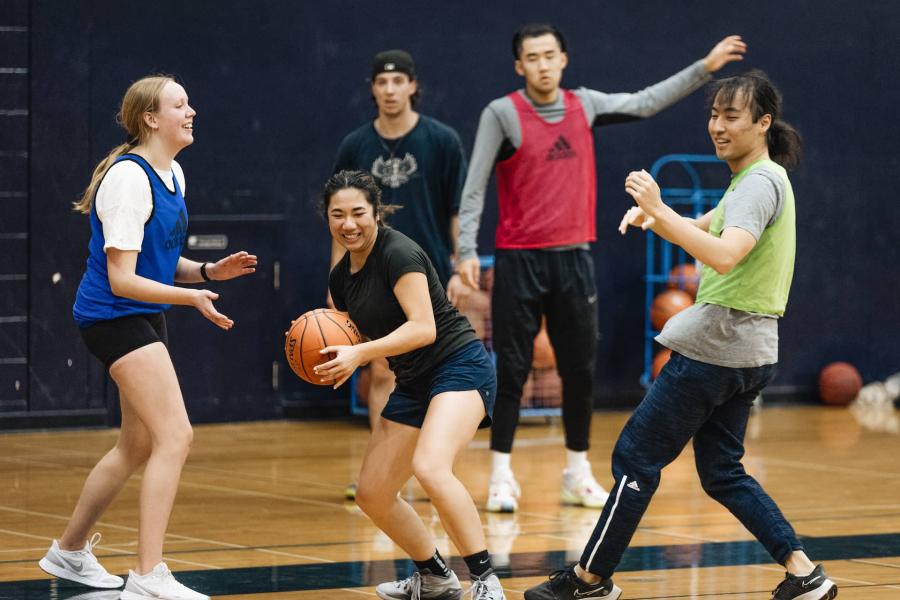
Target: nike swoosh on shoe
<point>71,564</point>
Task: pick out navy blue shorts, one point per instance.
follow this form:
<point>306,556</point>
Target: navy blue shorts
<point>469,368</point>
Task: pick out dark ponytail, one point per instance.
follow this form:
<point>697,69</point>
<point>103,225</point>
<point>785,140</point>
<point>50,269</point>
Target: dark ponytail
<point>784,144</point>
<point>783,141</point>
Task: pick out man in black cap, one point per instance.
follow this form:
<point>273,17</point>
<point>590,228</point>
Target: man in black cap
<point>421,167</point>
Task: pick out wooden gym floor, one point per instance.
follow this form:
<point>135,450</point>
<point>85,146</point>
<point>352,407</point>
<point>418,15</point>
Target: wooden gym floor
<point>260,513</point>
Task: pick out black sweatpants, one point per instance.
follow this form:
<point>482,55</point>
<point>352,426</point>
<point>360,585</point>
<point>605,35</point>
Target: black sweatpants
<point>560,285</point>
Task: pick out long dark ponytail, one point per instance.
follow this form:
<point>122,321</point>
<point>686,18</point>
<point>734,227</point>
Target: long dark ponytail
<point>783,140</point>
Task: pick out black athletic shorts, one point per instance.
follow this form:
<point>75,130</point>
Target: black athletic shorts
<point>111,340</point>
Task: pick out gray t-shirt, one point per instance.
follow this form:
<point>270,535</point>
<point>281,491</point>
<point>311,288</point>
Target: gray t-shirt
<point>725,336</point>
<point>499,133</point>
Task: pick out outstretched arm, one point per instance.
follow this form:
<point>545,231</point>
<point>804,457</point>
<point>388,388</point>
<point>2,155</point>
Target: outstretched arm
<point>233,265</point>
<point>125,282</point>
<point>618,108</point>
<point>728,50</point>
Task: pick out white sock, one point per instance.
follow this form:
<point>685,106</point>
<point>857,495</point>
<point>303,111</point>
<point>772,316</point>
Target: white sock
<point>576,461</point>
<point>500,463</point>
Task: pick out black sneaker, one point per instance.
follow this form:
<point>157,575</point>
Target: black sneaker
<point>565,585</point>
<point>815,586</point>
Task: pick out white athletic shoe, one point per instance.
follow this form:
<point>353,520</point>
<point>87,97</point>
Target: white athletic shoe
<point>422,585</point>
<point>158,584</point>
<point>487,587</point>
<point>80,566</point>
<point>503,494</point>
<point>581,489</point>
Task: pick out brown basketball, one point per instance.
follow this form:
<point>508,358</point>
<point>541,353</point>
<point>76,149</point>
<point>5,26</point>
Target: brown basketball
<point>543,357</point>
<point>313,331</point>
<point>668,304</point>
<point>839,383</point>
<point>685,277</point>
<point>476,307</point>
<point>659,361</point>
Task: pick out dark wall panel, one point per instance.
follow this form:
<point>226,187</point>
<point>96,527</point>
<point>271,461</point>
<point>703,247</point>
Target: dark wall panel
<point>60,166</point>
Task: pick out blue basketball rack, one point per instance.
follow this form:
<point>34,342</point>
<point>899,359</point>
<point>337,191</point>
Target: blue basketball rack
<point>690,201</point>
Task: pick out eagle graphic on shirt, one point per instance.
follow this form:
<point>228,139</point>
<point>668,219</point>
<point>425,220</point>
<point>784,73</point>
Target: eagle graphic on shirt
<point>394,172</point>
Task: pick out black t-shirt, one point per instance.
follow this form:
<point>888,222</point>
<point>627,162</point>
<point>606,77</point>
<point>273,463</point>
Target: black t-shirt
<point>368,295</point>
<point>423,172</point>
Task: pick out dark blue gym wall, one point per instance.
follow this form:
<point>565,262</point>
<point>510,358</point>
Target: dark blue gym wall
<point>277,84</point>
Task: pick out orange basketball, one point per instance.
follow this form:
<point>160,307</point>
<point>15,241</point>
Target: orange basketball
<point>543,356</point>
<point>839,383</point>
<point>313,331</point>
<point>685,277</point>
<point>659,361</point>
<point>668,304</point>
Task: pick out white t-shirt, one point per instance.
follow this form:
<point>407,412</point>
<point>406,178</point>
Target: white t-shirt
<point>124,202</point>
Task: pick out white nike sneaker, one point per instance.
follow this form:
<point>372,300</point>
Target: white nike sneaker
<point>581,489</point>
<point>503,494</point>
<point>422,585</point>
<point>158,584</point>
<point>487,587</point>
<point>80,566</point>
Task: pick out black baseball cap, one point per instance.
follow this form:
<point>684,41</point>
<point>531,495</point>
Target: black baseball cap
<point>393,61</point>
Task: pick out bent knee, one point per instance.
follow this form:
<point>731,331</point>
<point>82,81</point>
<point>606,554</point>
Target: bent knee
<point>136,454</point>
<point>372,499</point>
<point>176,440</point>
<point>381,373</point>
<point>431,472</point>
<point>717,483</point>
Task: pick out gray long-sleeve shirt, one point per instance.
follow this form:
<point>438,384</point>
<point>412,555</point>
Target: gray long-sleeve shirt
<point>499,134</point>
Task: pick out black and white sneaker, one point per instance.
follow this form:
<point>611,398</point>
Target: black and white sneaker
<point>815,586</point>
<point>565,585</point>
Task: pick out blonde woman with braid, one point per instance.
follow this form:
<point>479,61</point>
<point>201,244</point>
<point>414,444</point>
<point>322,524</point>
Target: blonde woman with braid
<point>135,203</point>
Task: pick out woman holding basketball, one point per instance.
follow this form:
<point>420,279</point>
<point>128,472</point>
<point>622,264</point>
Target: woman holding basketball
<point>444,392</point>
<point>135,202</point>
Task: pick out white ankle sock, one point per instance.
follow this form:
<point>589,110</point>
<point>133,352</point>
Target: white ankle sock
<point>500,463</point>
<point>576,461</point>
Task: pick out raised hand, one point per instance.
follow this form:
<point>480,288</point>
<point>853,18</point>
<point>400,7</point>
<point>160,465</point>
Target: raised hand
<point>636,217</point>
<point>234,265</point>
<point>641,186</point>
<point>728,50</point>
<point>202,301</point>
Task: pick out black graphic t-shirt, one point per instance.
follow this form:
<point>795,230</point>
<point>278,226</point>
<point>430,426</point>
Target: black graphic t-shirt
<point>368,295</point>
<point>423,173</point>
